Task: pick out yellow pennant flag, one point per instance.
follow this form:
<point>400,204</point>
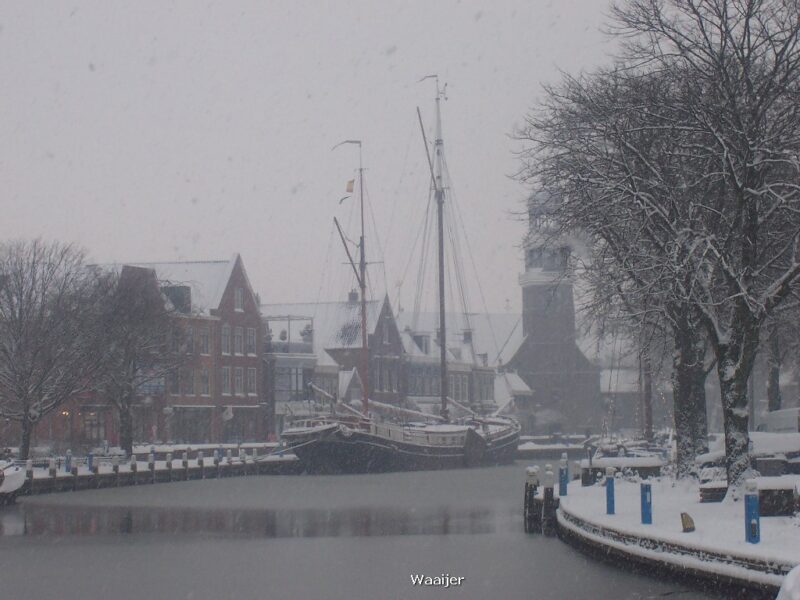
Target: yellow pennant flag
<point>350,186</point>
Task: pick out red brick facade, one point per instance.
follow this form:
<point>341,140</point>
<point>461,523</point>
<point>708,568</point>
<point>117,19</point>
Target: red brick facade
<point>217,396</point>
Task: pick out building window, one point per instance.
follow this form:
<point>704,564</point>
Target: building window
<point>189,339</point>
<point>204,340</point>
<point>238,381</point>
<point>251,340</point>
<point>238,340</point>
<point>175,383</point>
<point>187,379</point>
<point>94,427</point>
<point>251,381</point>
<point>205,382</point>
<point>238,299</point>
<point>296,382</point>
<point>226,339</point>
<point>226,381</point>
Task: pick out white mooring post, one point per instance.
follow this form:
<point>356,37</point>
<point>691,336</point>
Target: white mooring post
<point>532,516</point>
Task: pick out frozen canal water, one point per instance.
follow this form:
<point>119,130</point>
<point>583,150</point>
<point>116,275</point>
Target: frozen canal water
<point>301,537</point>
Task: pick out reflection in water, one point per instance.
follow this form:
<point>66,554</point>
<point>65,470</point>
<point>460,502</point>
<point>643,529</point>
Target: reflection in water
<point>36,520</point>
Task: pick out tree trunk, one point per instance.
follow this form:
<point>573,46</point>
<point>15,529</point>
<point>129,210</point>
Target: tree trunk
<point>647,395</point>
<point>774,400</point>
<point>689,398</point>
<point>734,367</point>
<point>699,421</point>
<point>25,442</point>
<point>681,387</point>
<point>126,428</point>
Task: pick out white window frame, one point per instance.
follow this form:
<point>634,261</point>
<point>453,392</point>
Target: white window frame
<point>238,299</point>
<point>251,332</point>
<point>226,337</point>
<point>252,378</point>
<point>238,381</point>
<point>204,334</point>
<point>238,341</point>
<point>205,381</point>
<point>226,381</point>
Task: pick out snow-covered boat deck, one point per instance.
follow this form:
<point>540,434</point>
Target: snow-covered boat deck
<point>716,549</point>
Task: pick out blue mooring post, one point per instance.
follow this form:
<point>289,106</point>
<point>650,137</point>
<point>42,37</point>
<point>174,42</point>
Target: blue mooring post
<point>68,462</point>
<point>563,476</point>
<point>752,518</point>
<point>609,490</point>
<point>647,503</point>
<point>90,461</point>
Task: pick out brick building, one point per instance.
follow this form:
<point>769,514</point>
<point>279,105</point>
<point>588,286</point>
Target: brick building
<point>217,395</point>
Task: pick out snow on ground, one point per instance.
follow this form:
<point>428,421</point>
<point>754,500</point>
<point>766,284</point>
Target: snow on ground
<point>553,447</point>
<point>763,443</point>
<point>790,590</point>
<point>720,527</point>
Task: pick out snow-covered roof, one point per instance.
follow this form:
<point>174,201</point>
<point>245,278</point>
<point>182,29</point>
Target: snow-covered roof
<point>510,384</point>
<point>335,324</point>
<point>346,379</point>
<point>206,280</point>
<point>498,335</point>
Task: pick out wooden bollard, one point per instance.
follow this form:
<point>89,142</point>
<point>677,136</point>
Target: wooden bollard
<point>29,475</point>
<point>185,464</point>
<point>216,462</point>
<point>151,464</point>
<point>115,468</point>
<point>549,505</point>
<point>74,477</point>
<point>532,517</point>
<point>200,464</point>
<point>134,468</point>
<point>169,465</point>
<point>52,468</point>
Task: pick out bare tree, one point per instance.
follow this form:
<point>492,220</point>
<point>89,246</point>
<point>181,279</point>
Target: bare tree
<point>50,330</point>
<point>741,100</point>
<point>595,145</point>
<point>144,343</point>
<point>699,164</point>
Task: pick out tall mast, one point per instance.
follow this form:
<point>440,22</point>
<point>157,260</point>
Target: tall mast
<point>436,168</point>
<point>361,276</point>
<point>438,149</point>
<point>362,267</point>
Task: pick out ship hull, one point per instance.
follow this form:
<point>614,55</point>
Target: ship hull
<point>341,451</point>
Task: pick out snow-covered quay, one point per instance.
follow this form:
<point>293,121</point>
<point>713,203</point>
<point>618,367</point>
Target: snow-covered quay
<point>716,549</point>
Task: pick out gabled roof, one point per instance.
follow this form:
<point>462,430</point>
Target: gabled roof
<point>346,380</point>
<point>207,280</point>
<point>336,325</point>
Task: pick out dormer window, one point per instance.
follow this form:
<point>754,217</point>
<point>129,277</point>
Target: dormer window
<point>238,299</point>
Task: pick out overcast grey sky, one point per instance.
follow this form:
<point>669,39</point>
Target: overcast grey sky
<point>155,131</point>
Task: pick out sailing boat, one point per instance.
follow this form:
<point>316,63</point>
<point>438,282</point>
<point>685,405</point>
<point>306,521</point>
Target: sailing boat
<point>356,442</point>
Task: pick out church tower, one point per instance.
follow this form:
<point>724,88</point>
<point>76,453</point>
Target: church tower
<point>564,382</point>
